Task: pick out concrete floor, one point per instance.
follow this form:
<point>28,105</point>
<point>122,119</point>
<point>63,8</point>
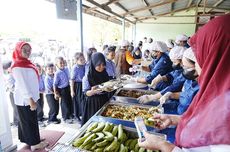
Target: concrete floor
<point>69,129</point>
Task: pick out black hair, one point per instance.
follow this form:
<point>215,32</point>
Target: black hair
<point>111,49</point>
<point>49,65</point>
<point>78,55</point>
<point>151,40</point>
<point>37,65</point>
<point>90,52</point>
<point>146,51</point>
<point>58,58</point>
<point>140,44</point>
<point>105,47</point>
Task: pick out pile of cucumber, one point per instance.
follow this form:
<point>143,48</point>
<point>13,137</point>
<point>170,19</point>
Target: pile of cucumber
<point>107,137</point>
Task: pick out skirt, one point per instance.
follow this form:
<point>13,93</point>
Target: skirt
<point>92,105</point>
<point>28,131</point>
<point>78,99</point>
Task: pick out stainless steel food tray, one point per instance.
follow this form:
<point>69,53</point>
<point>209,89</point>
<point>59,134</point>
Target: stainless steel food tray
<point>131,132</point>
<point>118,97</point>
<point>99,113</point>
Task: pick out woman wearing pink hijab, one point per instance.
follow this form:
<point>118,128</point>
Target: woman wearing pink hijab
<point>26,95</point>
<point>205,127</point>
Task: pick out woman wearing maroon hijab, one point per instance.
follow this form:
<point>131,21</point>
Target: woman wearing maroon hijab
<point>206,124</point>
<point>26,95</point>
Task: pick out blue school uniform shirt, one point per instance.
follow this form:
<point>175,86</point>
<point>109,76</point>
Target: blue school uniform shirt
<point>85,84</point>
<point>41,83</point>
<point>189,90</point>
<point>111,68</point>
<point>49,80</point>
<point>61,78</point>
<point>77,73</point>
<point>176,81</point>
<point>86,68</point>
<point>161,66</point>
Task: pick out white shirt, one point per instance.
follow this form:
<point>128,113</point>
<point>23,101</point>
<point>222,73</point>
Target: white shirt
<point>26,85</point>
<point>211,148</point>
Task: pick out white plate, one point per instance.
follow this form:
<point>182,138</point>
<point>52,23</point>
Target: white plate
<point>135,85</point>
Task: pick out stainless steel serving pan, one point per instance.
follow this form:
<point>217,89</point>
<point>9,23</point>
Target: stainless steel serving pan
<point>123,98</point>
<point>130,131</point>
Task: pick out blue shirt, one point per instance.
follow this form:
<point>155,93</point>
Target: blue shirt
<point>111,68</point>
<point>49,80</point>
<point>85,84</point>
<point>77,73</point>
<point>189,90</point>
<point>86,68</point>
<point>176,81</point>
<point>161,66</point>
<point>151,66</point>
<point>41,83</point>
<point>61,78</point>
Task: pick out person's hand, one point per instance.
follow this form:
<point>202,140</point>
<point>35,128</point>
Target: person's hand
<point>56,96</point>
<point>33,105</point>
<point>166,121</point>
<point>165,97</point>
<point>156,80</point>
<point>96,90</point>
<point>152,142</point>
<point>134,79</point>
<point>72,94</point>
<point>146,98</point>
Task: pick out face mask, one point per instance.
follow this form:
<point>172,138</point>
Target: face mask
<point>176,66</point>
<point>190,73</point>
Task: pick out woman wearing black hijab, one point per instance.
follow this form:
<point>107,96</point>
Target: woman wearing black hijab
<point>137,53</point>
<point>94,98</point>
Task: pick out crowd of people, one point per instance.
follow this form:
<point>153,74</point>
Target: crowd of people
<point>179,71</point>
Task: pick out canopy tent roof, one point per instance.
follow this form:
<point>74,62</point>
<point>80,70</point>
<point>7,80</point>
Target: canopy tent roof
<point>137,11</point>
<point>140,11</point>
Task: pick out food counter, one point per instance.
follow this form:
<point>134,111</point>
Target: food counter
<point>120,110</point>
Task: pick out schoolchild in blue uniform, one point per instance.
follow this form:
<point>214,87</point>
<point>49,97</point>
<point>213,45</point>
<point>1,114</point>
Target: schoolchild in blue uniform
<point>62,89</point>
<point>161,62</point>
<point>110,65</point>
<point>178,102</point>
<point>52,102</point>
<point>77,74</point>
<point>40,102</point>
<point>94,97</point>
<point>173,81</point>
<point>89,53</point>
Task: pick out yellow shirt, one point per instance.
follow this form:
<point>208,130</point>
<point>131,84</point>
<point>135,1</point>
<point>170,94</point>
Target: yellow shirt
<point>129,57</point>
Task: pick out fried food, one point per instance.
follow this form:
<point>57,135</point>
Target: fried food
<point>132,93</point>
<point>129,112</point>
